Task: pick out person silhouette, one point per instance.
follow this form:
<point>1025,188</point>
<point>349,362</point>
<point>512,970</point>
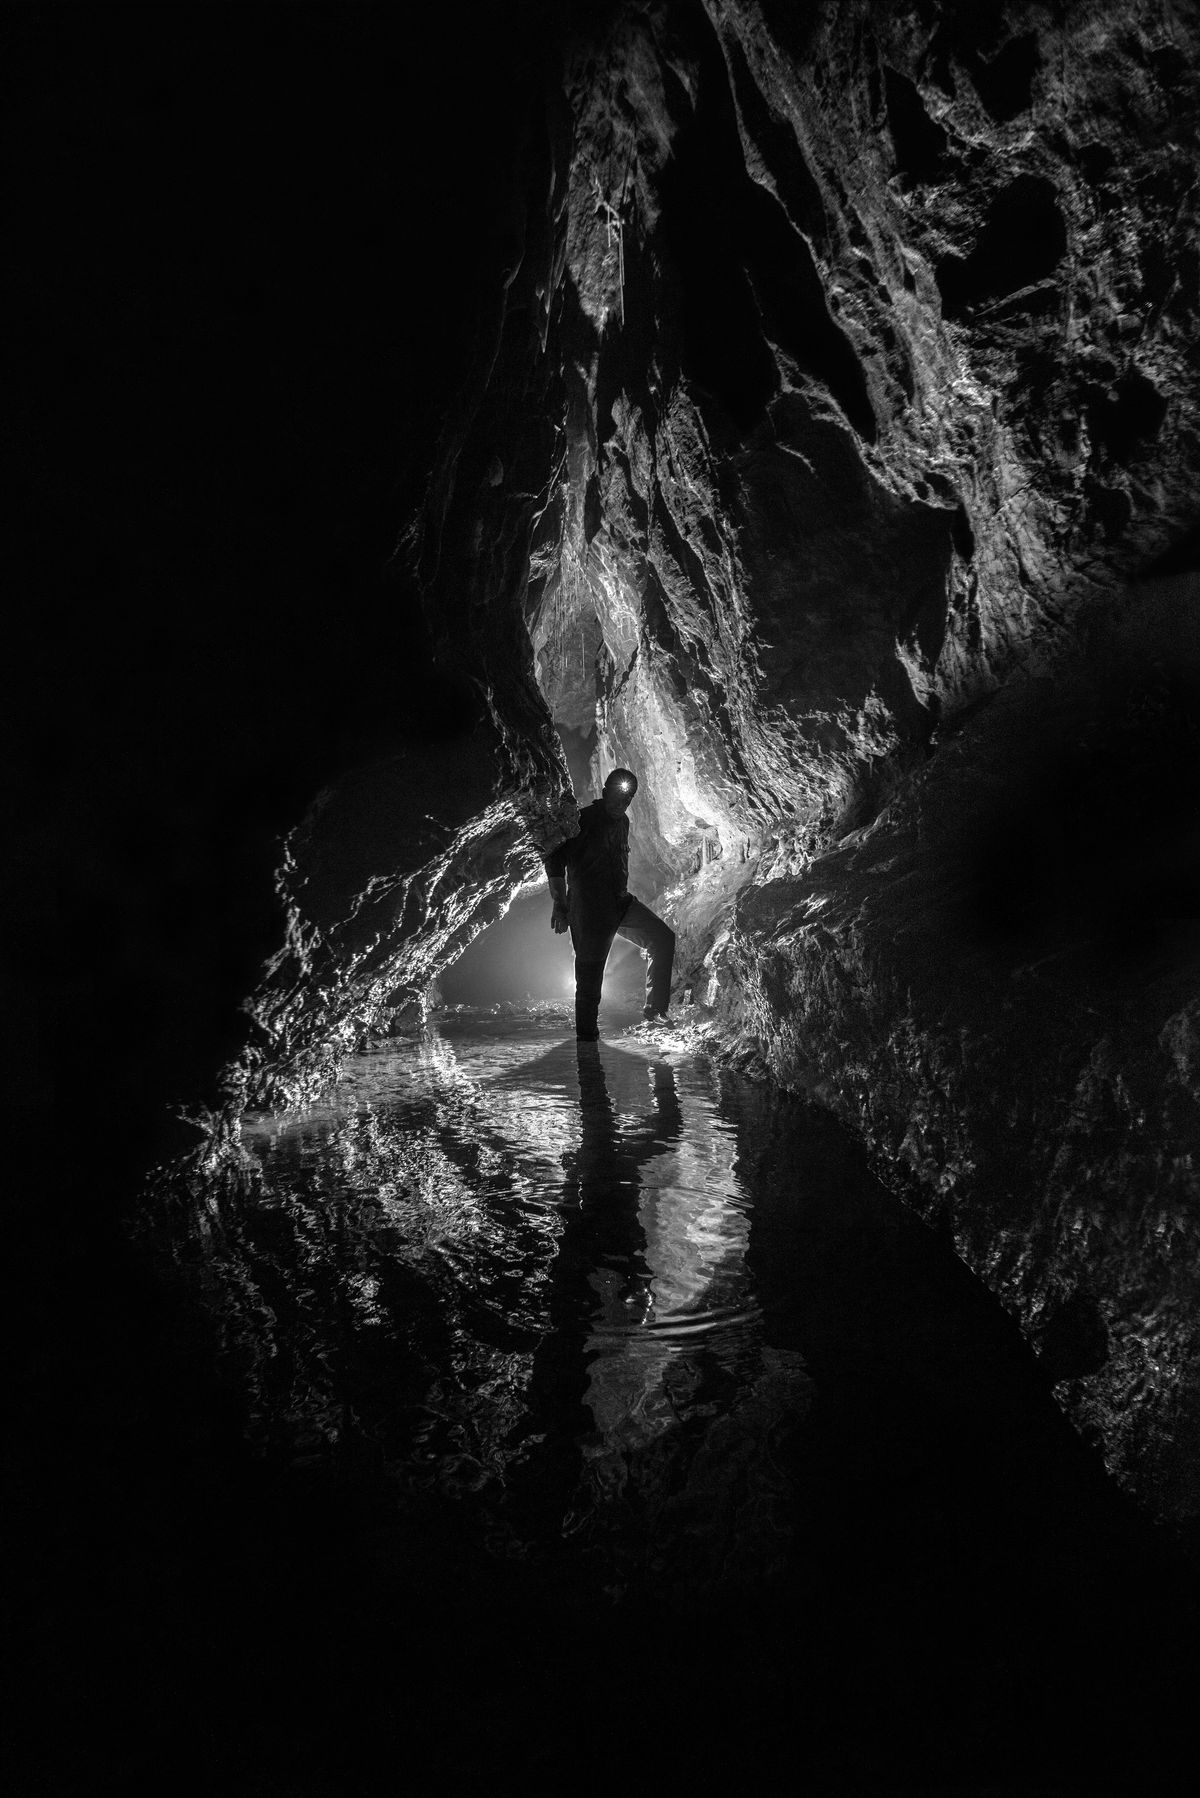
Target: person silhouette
<point>589,886</point>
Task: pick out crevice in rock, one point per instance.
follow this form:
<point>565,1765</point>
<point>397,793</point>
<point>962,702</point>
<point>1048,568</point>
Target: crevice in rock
<point>1004,81</point>
<point>1022,240</point>
<point>781,151</point>
<point>920,143</point>
<point>789,290</point>
<point>1125,419</point>
<point>703,187</point>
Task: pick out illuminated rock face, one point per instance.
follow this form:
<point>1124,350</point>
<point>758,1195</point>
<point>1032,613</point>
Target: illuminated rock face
<point>393,871</point>
<point>836,385</point>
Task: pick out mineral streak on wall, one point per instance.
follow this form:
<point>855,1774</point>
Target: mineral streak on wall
<point>835,394</point>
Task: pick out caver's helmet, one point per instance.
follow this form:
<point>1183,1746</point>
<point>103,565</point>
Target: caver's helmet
<point>621,781</point>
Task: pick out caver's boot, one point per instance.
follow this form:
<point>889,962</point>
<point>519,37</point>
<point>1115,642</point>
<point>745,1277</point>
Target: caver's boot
<point>656,940</point>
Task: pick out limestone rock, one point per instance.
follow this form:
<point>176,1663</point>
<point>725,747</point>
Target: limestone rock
<point>998,989</point>
<point>390,875</point>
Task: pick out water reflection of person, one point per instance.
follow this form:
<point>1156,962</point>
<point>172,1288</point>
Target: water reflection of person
<point>599,1274</point>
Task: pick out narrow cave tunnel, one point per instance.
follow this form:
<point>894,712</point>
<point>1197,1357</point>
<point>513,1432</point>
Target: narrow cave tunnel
<point>804,1386</point>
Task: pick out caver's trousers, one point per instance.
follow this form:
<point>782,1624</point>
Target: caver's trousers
<point>592,943</point>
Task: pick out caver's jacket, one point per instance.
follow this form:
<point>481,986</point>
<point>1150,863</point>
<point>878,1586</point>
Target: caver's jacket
<point>596,867</point>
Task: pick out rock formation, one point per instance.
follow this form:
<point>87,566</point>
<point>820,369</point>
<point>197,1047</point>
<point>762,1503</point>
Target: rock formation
<point>835,398</point>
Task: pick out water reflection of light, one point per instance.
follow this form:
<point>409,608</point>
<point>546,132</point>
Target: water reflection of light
<point>420,1224</point>
<point>696,1222</point>
<point>698,1225</point>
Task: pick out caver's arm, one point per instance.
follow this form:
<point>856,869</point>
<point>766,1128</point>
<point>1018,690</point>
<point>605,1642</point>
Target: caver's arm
<point>555,865</point>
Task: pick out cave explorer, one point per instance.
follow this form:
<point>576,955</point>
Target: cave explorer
<point>589,884</point>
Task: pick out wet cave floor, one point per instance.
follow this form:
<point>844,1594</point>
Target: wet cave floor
<point>611,1424</point>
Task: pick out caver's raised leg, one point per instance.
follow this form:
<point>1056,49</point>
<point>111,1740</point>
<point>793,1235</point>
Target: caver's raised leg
<point>641,926</point>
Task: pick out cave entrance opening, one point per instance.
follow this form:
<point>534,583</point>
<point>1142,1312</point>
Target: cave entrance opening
<point>518,962</point>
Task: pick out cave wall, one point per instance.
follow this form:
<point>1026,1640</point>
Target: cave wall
<point>998,989</point>
<point>834,392</point>
<point>884,395</point>
<point>878,384</point>
<point>395,867</point>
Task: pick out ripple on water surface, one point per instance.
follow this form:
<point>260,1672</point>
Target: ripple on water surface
<point>584,1300</point>
<point>518,1265</point>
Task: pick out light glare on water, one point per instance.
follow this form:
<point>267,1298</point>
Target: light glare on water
<point>623,1369</point>
<point>547,1240</point>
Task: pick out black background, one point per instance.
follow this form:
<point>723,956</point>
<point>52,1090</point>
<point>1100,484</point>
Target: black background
<point>242,261</point>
